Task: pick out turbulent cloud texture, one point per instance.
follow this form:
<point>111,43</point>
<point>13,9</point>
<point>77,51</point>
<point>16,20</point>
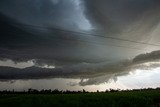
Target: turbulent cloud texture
<point>94,73</point>
<point>88,39</point>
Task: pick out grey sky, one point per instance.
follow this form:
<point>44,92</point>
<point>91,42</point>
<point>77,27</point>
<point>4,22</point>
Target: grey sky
<point>77,38</point>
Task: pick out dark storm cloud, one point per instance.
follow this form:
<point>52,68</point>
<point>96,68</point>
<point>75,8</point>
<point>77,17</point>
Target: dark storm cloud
<point>148,57</point>
<point>23,43</point>
<point>73,54</point>
<point>56,47</point>
<point>94,73</point>
<point>44,12</point>
<point>131,19</point>
<point>120,12</point>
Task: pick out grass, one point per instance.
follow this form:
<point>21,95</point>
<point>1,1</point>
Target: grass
<point>111,99</point>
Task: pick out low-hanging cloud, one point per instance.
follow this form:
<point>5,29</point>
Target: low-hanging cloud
<point>77,55</point>
<point>93,73</point>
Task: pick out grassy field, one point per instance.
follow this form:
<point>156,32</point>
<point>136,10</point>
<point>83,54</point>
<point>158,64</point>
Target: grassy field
<point>111,99</point>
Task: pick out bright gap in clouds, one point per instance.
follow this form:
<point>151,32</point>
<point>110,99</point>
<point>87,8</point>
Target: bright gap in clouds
<point>83,23</point>
<point>47,66</point>
<point>21,65</point>
<point>149,64</point>
<point>141,78</point>
<point>136,79</point>
<point>10,63</point>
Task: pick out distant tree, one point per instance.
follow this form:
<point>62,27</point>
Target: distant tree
<point>113,90</point>
<point>30,90</point>
<point>84,91</point>
<point>106,91</point>
<point>56,91</point>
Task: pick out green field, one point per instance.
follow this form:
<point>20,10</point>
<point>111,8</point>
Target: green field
<point>110,99</point>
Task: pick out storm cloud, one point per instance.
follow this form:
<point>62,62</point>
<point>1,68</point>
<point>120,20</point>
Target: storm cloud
<point>94,73</point>
<point>94,40</point>
<point>60,13</point>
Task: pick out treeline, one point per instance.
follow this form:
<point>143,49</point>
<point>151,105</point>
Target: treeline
<point>56,91</point>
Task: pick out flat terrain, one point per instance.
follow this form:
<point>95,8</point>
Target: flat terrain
<point>145,98</point>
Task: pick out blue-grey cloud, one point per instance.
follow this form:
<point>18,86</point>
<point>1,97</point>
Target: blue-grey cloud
<point>62,13</point>
<point>35,30</point>
<point>94,73</point>
<point>133,20</point>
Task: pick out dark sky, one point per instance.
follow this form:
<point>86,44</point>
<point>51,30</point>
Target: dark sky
<point>78,38</point>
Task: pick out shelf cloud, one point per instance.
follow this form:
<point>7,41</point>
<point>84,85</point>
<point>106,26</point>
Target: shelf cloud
<point>95,40</point>
<point>95,73</point>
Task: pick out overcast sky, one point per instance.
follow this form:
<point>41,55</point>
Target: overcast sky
<point>78,38</point>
